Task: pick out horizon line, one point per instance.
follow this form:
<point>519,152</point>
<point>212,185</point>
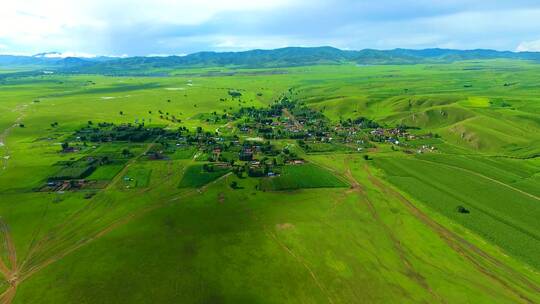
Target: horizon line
<point>71,54</point>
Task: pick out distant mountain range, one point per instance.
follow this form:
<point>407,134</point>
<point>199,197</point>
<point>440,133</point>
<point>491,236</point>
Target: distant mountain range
<point>283,57</point>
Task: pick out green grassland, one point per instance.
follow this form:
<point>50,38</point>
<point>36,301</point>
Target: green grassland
<point>506,216</point>
<point>195,177</point>
<point>378,229</point>
<point>137,177</point>
<point>107,172</point>
<point>300,177</point>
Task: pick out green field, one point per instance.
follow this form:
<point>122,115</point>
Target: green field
<point>140,219</point>
<point>137,177</point>
<point>302,176</point>
<point>506,216</point>
<point>73,173</point>
<point>195,176</point>
<point>106,172</point>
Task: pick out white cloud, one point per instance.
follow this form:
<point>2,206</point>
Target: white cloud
<point>39,25</point>
<point>246,43</point>
<point>529,46</point>
<point>165,55</point>
<point>68,54</point>
<point>187,12</point>
<point>140,27</point>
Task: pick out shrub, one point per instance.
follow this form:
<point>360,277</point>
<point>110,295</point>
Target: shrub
<point>462,209</point>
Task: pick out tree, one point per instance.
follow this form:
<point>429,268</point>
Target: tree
<point>126,152</point>
<point>366,157</point>
<point>65,146</point>
<point>121,112</point>
<point>462,209</point>
<point>234,185</point>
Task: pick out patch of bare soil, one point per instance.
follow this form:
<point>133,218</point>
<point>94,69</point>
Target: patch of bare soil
<point>284,226</point>
<point>221,197</point>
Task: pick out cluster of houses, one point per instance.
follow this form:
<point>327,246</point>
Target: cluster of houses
<point>285,119</point>
<point>64,185</point>
<point>289,120</point>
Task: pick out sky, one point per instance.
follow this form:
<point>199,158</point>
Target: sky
<point>88,28</point>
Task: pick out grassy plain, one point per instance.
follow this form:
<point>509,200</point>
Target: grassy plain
<point>301,177</point>
<point>379,230</point>
<point>195,177</point>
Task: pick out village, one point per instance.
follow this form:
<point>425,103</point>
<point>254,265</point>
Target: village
<point>261,142</point>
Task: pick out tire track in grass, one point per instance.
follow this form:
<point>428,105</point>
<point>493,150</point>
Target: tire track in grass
<point>112,226</point>
<point>109,228</point>
<point>7,296</point>
<point>480,259</point>
<point>87,209</point>
<point>410,270</point>
<point>298,258</point>
<point>38,229</point>
<point>358,188</point>
<point>302,262</point>
<point>3,136</point>
<point>10,247</point>
<point>55,240</point>
<point>46,255</point>
<point>10,271</point>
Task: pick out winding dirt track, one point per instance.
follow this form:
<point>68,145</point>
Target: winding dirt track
<point>9,270</point>
<point>292,118</point>
<point>3,136</point>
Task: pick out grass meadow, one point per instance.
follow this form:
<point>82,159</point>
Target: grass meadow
<point>302,177</point>
<point>379,229</point>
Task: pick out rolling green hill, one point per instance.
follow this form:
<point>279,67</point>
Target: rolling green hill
<point>283,57</point>
<point>325,181</point>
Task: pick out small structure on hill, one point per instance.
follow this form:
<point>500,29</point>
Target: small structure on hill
<point>246,154</point>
